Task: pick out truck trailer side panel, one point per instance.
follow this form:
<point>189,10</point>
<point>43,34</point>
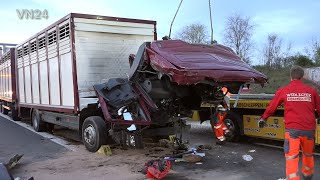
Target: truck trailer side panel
<point>102,51</point>
<point>59,65</point>
<point>7,78</point>
<point>41,82</point>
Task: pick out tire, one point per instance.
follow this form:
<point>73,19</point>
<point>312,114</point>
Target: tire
<point>94,133</point>
<point>231,121</point>
<point>38,125</point>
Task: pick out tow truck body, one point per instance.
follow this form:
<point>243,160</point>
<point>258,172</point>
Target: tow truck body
<point>246,111</point>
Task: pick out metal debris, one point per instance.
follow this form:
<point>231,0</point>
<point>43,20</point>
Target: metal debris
<point>13,161</point>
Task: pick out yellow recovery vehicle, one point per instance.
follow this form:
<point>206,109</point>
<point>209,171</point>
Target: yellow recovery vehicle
<point>243,118</point>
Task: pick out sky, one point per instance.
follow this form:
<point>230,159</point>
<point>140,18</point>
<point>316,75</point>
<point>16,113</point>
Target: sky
<point>295,21</point>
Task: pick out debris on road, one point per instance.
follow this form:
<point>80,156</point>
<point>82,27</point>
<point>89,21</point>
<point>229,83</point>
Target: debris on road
<point>166,143</point>
<point>157,168</point>
<point>252,151</point>
<point>13,161</point>
<point>193,158</point>
<point>204,147</point>
<point>5,167</point>
<point>247,157</point>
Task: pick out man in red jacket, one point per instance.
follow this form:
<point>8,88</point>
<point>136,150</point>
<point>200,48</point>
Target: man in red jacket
<point>300,102</point>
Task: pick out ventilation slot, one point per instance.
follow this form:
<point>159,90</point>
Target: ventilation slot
<point>64,31</point>
<point>52,37</point>
<point>42,42</point>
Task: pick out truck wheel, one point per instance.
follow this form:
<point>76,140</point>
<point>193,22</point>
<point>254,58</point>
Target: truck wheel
<point>233,127</point>
<point>94,133</point>
<point>37,124</point>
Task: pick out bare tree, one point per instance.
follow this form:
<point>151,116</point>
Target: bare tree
<point>237,35</point>
<point>272,51</point>
<point>313,51</point>
<point>194,33</point>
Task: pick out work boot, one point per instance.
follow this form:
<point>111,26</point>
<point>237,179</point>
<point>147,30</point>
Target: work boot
<point>220,142</point>
<point>307,177</point>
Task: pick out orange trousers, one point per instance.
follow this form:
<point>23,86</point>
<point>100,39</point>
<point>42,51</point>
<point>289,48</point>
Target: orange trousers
<point>294,139</point>
<point>219,127</point>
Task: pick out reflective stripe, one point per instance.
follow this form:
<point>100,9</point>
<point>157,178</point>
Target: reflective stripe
<point>307,175</point>
<point>293,175</point>
<point>308,155</point>
<point>224,128</point>
<point>307,168</point>
<point>292,157</point>
<point>217,127</point>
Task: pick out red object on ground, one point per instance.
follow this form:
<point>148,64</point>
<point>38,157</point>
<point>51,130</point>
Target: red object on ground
<point>157,169</point>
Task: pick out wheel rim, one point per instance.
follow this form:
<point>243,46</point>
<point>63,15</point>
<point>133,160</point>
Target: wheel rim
<point>89,135</point>
<point>35,122</point>
<point>230,125</point>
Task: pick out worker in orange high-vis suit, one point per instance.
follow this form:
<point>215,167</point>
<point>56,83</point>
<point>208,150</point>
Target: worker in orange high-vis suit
<point>300,102</point>
<point>217,122</point>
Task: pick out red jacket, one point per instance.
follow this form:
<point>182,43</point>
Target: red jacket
<point>300,102</point>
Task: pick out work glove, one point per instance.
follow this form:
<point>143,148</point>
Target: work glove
<point>262,123</point>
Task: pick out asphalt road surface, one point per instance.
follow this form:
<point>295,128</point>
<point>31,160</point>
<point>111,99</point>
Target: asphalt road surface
<point>226,162</point>
<point>15,139</point>
<point>221,162</point>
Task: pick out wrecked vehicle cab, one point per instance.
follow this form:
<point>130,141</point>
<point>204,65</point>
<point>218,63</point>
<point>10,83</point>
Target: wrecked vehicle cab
<point>168,79</point>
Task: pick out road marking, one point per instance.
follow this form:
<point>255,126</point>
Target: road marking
<point>279,147</point>
<point>46,135</point>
